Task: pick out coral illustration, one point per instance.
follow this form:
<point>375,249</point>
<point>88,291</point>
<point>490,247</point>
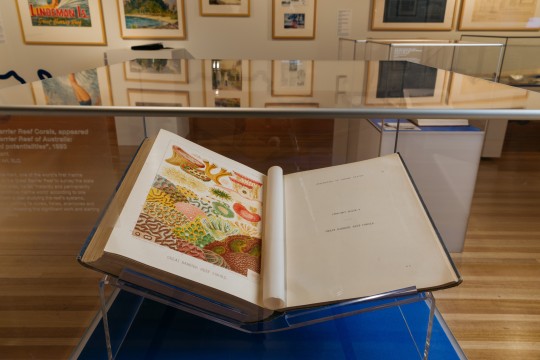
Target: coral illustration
<point>221,194</point>
<point>218,227</point>
<point>194,233</point>
<point>222,209</point>
<point>240,252</point>
<point>245,186</point>
<point>245,213</point>
<point>215,177</point>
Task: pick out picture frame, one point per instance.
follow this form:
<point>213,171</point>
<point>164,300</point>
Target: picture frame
<point>292,78</point>
<point>413,15</point>
<point>499,15</point>
<point>387,85</point>
<point>170,24</point>
<point>152,97</point>
<point>227,83</point>
<point>85,88</point>
<point>157,70</point>
<point>224,8</point>
<point>45,23</point>
<point>294,19</point>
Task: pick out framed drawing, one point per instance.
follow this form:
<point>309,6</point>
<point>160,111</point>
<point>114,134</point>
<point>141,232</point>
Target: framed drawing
<point>145,19</point>
<point>157,70</point>
<point>404,84</point>
<point>294,19</point>
<point>85,88</point>
<point>57,22</point>
<point>499,15</point>
<point>147,97</point>
<point>292,77</point>
<point>227,83</point>
<point>428,15</point>
<point>224,7</point>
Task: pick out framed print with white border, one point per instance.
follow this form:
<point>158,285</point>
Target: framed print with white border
<point>224,7</point>
<point>157,70</point>
<point>294,19</point>
<point>499,15</point>
<point>292,77</point>
<point>227,83</point>
<point>425,15</point>
<point>57,22</point>
<point>86,88</point>
<point>150,97</point>
<point>137,24</point>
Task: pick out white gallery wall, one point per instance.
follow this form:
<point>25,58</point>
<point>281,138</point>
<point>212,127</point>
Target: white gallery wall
<point>207,37</point>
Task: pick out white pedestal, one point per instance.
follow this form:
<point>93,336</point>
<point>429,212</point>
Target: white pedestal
<point>443,163</point>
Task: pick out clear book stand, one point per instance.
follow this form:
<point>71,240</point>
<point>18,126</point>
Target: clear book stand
<point>279,321</point>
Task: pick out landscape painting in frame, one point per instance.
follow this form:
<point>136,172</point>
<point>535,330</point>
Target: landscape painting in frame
<point>224,7</point>
<point>84,88</point>
<point>62,22</point>
<point>428,15</point>
<point>294,19</point>
<point>157,70</point>
<point>152,19</point>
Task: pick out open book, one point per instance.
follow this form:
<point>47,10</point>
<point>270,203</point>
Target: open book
<point>197,220</point>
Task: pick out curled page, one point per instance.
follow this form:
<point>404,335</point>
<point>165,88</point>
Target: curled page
<point>274,242</point>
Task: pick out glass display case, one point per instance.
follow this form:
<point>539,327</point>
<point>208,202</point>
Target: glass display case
<point>518,66</point>
<point>476,58</point>
<point>65,143</point>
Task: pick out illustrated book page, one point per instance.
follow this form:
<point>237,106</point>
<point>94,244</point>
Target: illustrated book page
<point>194,214</point>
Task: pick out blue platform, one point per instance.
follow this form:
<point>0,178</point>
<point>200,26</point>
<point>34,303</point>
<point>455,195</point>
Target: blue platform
<point>150,330</point>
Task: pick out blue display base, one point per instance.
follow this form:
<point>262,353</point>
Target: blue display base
<point>161,332</point>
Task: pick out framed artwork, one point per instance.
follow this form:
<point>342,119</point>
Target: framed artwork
<point>499,15</point>
<point>157,70</point>
<point>227,83</point>
<point>145,19</point>
<point>403,84</point>
<point>427,15</point>
<point>168,98</point>
<point>85,88</point>
<point>294,19</point>
<point>61,22</point>
<point>292,77</point>
<point>224,7</point>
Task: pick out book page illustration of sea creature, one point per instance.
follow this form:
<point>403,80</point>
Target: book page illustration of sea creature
<point>215,176</point>
<point>245,186</point>
<point>186,213</point>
